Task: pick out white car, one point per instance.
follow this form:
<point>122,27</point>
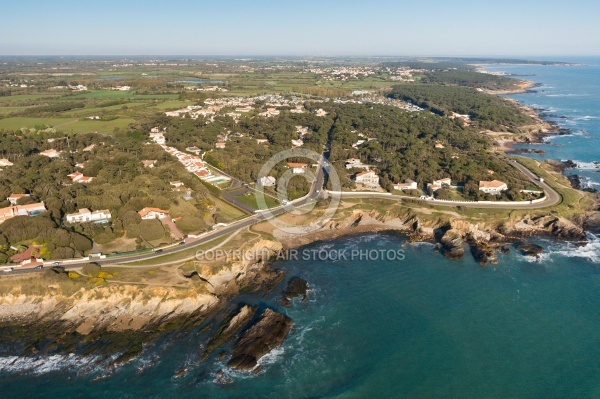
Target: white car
<point>10,269</point>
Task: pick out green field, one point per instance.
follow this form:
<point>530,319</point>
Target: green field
<point>66,124</point>
<point>250,199</point>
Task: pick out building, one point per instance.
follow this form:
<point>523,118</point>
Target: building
<point>153,213</point>
<point>21,210</point>
<point>84,215</point>
<point>367,177</point>
<point>149,163</point>
<point>262,141</point>
<point>193,149</point>
<point>492,187</point>
<point>354,163</point>
<point>176,184</point>
<point>267,181</point>
<point>297,143</point>
<point>220,145</point>
<point>407,185</point>
<point>297,167</point>
<point>439,145</point>
<point>358,143</point>
<point>158,138</point>
<point>51,153</point>
<point>78,177</point>
<point>437,184</point>
<point>15,197</point>
<point>5,162</point>
<point>89,148</point>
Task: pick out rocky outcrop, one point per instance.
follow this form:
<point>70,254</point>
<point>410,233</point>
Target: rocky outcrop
<point>556,226</point>
<point>482,252</point>
<point>230,326</point>
<point>261,338</point>
<point>528,249</point>
<point>452,245</point>
<point>296,287</point>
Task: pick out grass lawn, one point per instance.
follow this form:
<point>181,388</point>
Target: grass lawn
<point>66,124</point>
<point>250,199</point>
<point>226,212</point>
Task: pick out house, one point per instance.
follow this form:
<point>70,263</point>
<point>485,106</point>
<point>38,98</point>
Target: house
<point>220,145</point>
<point>176,184</point>
<point>437,184</point>
<point>158,138</point>
<point>351,162</point>
<point>367,177</point>
<point>492,187</point>
<point>15,197</point>
<point>51,153</point>
<point>297,167</point>
<point>193,149</point>
<point>149,163</point>
<point>321,112</point>
<point>354,163</point>
<point>267,181</point>
<point>262,141</point>
<point>439,145</point>
<point>297,143</point>
<point>78,177</point>
<point>5,162</point>
<point>358,143</point>
<point>80,165</point>
<point>89,148</point>
<point>21,210</point>
<point>153,213</point>
<point>407,185</point>
<point>84,215</point>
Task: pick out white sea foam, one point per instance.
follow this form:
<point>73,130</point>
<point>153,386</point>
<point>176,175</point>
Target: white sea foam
<point>584,118</point>
<point>590,251</point>
<point>47,364</point>
<point>594,165</point>
<point>568,95</point>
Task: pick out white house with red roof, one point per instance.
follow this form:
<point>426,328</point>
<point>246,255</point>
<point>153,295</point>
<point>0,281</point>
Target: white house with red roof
<point>153,213</point>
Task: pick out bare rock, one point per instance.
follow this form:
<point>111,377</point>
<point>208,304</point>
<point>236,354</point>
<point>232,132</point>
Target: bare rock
<point>296,287</point>
<point>452,245</point>
<point>261,338</point>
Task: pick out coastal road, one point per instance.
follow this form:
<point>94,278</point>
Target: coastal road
<point>206,237</point>
<point>552,197</point>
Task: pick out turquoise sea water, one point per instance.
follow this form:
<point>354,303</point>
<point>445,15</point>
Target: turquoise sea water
<point>570,96</point>
<point>422,327</point>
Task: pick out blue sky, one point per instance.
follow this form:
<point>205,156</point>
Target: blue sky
<point>300,27</point>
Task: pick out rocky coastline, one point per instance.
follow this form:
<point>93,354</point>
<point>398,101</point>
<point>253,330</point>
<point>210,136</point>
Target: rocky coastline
<point>119,319</point>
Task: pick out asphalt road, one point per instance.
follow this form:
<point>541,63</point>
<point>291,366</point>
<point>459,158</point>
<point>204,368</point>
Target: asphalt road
<point>552,197</point>
<point>315,191</point>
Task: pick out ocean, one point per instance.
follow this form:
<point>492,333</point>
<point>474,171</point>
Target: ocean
<point>420,326</point>
<point>570,97</point>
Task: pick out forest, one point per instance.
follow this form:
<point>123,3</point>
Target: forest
<point>486,111</point>
<point>121,184</point>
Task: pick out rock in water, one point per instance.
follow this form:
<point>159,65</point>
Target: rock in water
<point>262,337</point>
<point>452,245</point>
<point>295,287</point>
<point>529,249</point>
<point>229,327</point>
<point>481,251</point>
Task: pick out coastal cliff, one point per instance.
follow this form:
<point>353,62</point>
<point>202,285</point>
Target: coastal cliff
<point>119,317</point>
